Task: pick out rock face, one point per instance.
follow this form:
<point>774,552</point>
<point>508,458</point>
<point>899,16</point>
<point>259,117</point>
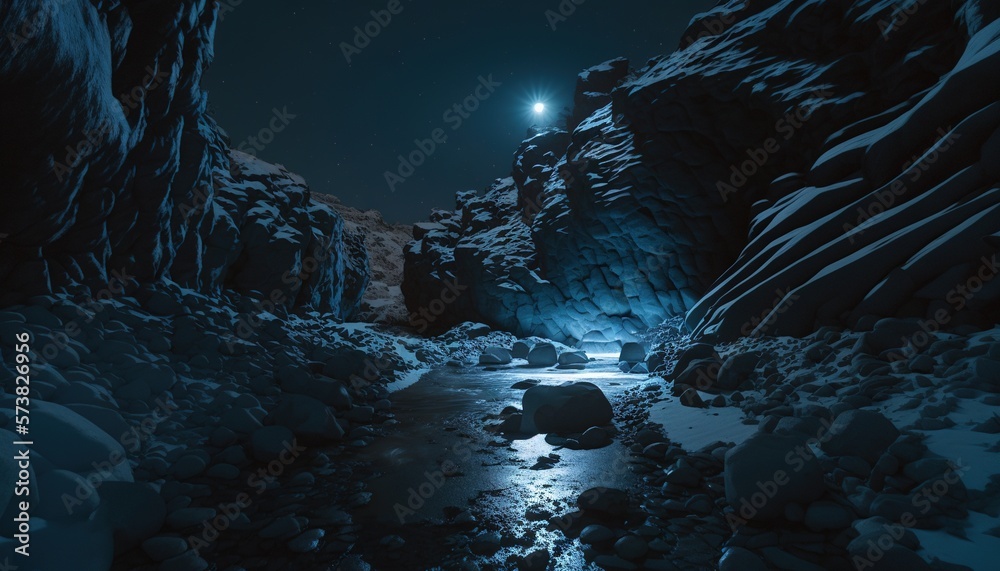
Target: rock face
<point>124,177</point>
<point>740,180</point>
<point>385,242</point>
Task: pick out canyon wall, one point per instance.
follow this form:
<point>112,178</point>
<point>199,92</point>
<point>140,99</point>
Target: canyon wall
<point>115,174</point>
<point>793,164</point>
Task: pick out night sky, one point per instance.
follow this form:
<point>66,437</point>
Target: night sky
<point>352,120</point>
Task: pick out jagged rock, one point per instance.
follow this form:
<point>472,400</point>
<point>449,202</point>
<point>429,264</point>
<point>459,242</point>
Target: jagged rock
<point>129,180</point>
<point>741,181</point>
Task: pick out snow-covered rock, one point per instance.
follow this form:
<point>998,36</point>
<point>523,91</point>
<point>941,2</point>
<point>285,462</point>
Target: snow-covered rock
<point>742,180</point>
<point>128,179</point>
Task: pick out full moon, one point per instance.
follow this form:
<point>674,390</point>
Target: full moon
<point>539,107</point>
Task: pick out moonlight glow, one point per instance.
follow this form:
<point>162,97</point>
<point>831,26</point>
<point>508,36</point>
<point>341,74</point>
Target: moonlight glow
<point>539,108</point>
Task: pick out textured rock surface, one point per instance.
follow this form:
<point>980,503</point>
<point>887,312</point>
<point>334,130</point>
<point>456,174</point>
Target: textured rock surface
<point>385,242</point>
<point>124,174</point>
<point>717,182</point>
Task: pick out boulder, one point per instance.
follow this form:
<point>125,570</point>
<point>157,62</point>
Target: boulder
<point>569,407</point>
<point>604,501</point>
<point>736,370</point>
<point>543,355</point>
<point>495,356</point>
<point>632,353</point>
<point>520,349</point>
<point>768,471</point>
<point>573,358</point>
<point>863,433</point>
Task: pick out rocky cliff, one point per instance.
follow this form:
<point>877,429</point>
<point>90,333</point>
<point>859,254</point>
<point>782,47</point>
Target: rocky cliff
<point>113,169</point>
<point>793,164</point>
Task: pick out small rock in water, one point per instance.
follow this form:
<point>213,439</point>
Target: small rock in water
<point>569,407</point>
<point>524,385</point>
<point>520,350</point>
<point>573,358</point>
<point>606,501</point>
<point>486,543</point>
<point>596,534</point>
<point>535,561</point>
<point>632,353</point>
<point>543,355</point>
<point>594,437</point>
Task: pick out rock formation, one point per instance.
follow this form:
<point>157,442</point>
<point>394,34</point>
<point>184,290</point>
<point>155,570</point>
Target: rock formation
<point>113,169</point>
<point>742,180</point>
